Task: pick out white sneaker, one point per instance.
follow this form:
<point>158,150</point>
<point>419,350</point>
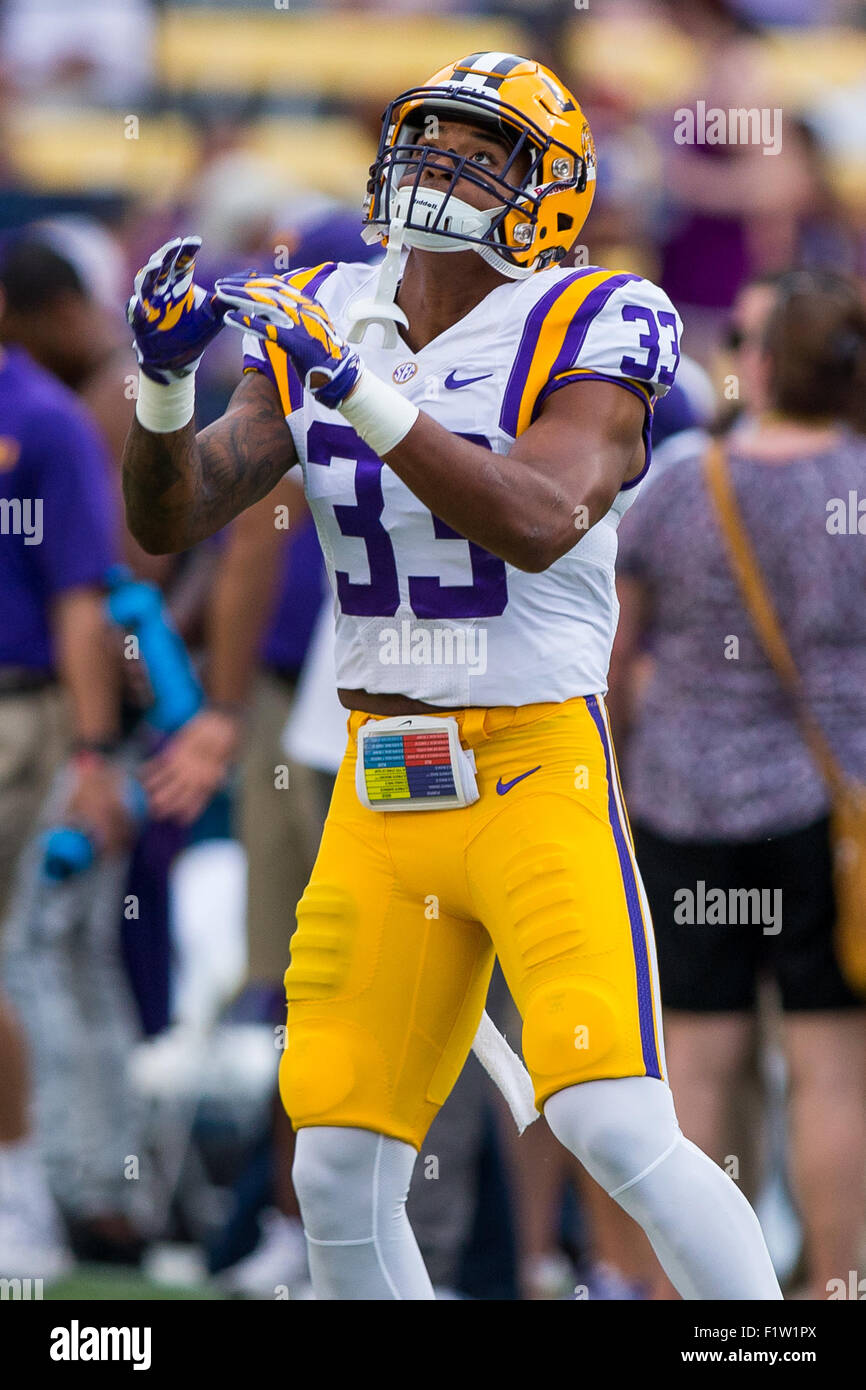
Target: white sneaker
<point>279,1259</point>
<point>32,1245</point>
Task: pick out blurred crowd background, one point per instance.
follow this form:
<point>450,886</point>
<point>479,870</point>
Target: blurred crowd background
<point>141,1144</point>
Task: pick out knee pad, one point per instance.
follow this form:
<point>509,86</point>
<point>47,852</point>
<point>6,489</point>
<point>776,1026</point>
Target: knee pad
<point>619,1129</point>
<point>317,1069</point>
<point>350,1183</point>
<point>332,1068</point>
<point>570,1026</point>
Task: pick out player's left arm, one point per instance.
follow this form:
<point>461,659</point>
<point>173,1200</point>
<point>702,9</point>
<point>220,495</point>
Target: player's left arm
<point>534,504</point>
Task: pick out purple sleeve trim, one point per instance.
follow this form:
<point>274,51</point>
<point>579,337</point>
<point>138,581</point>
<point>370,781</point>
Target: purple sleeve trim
<point>259,364</point>
<point>580,375</point>
<point>568,380</point>
<point>648,450</point>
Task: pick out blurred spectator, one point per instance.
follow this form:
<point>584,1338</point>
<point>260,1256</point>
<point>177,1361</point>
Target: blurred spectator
<point>734,208</point>
<point>64,292</point>
<point>58,692</point>
<point>737,366</point>
<point>56,672</point>
<point>682,418</point>
<point>97,49</point>
<point>722,790</point>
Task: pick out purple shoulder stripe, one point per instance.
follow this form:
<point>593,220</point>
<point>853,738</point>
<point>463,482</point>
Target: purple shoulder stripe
<point>296,390</point>
<point>510,412</point>
<point>567,378</point>
<point>579,326</point>
<point>259,364</point>
<point>313,286</point>
<point>264,365</point>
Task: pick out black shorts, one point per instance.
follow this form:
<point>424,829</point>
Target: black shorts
<point>714,946</point>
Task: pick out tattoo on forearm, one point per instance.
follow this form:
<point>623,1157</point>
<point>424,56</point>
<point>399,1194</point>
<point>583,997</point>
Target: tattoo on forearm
<point>180,488</point>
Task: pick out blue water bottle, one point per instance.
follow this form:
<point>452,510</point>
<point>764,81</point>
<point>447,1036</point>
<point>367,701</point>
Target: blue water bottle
<point>67,850</point>
<point>139,608</point>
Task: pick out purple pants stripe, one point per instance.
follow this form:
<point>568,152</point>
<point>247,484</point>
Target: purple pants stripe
<point>632,897</point>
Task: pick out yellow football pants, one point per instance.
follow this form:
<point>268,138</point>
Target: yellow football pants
<point>399,924</point>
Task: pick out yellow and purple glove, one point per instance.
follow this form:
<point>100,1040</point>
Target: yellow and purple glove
<point>277,313</point>
<point>172,318</point>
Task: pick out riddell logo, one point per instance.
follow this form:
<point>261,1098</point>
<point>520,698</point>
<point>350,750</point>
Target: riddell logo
<point>77,1343</point>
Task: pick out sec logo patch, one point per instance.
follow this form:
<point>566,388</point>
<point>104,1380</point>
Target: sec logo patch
<point>404,372</point>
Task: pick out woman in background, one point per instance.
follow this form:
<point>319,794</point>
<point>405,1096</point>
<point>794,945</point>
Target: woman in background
<point>722,789</point>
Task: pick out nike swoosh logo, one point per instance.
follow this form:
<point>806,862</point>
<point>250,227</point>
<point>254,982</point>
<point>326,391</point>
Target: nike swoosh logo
<point>452,384</point>
<point>503,787</point>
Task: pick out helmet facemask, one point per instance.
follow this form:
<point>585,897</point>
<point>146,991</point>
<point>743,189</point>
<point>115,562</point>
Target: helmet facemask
<point>434,218</point>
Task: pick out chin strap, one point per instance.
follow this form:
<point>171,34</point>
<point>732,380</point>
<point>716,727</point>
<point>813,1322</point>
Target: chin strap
<point>381,309</point>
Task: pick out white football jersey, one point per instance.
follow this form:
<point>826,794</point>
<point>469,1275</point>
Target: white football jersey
<point>421,611</point>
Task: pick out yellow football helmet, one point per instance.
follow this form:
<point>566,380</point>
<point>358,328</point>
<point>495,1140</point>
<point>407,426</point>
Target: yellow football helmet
<point>539,217</point>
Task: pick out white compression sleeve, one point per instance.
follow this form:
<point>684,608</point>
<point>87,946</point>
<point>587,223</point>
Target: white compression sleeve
<point>701,1227</point>
<point>351,1186</point>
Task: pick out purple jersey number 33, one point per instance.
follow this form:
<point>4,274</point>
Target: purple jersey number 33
<point>485,597</point>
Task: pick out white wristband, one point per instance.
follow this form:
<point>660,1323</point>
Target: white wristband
<point>163,409</point>
<point>378,413</point>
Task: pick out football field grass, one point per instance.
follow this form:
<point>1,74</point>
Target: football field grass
<point>105,1283</point>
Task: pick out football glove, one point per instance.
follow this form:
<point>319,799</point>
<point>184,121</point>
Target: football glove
<point>297,323</point>
<point>172,319</point>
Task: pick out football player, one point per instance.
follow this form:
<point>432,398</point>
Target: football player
<point>472,420</point>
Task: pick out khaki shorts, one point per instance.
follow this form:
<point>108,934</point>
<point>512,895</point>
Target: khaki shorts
<point>34,742</point>
<point>280,827</point>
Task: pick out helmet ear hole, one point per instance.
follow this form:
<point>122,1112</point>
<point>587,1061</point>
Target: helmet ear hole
<point>564,222</point>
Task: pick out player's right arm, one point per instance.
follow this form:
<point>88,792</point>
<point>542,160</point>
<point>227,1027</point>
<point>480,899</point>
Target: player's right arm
<point>181,486</point>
